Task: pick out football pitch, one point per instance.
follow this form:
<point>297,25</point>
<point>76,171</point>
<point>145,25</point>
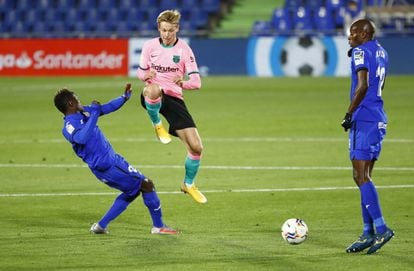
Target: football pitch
<point>274,149</point>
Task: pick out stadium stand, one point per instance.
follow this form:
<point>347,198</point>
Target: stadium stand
<point>103,18</point>
<point>333,17</point>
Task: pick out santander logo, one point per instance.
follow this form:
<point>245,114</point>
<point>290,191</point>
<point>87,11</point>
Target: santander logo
<point>40,59</point>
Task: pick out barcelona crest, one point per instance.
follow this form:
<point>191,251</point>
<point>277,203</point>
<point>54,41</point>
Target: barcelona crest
<point>176,59</point>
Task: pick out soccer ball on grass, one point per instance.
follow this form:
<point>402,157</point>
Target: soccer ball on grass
<point>294,231</point>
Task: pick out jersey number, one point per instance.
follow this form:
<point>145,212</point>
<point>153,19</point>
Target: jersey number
<point>381,75</point>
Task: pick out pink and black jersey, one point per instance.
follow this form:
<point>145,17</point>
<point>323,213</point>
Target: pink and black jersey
<point>169,62</point>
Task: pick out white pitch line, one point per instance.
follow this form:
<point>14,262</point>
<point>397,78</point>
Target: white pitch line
<point>213,139</point>
<point>212,167</point>
<point>206,191</point>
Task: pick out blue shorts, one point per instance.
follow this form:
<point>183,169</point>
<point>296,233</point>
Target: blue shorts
<point>121,176</point>
<point>365,140</point>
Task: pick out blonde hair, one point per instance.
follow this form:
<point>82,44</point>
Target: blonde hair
<point>169,16</point>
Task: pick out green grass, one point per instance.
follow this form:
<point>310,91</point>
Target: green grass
<point>273,134</point>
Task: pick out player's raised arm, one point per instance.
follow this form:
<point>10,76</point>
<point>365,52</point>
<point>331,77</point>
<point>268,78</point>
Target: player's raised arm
<point>117,103</point>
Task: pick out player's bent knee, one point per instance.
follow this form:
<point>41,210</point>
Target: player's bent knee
<point>152,91</point>
<point>147,186</point>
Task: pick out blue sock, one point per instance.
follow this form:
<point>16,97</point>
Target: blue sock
<point>153,204</point>
<point>370,200</point>
<point>119,205</point>
<point>192,163</point>
<point>153,109</point>
<point>368,222</point>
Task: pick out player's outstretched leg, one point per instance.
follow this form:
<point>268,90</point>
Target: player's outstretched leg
<point>117,208</point>
<point>97,229</point>
<point>153,204</point>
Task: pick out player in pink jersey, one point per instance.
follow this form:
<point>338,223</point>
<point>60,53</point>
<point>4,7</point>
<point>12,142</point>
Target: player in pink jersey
<point>168,66</point>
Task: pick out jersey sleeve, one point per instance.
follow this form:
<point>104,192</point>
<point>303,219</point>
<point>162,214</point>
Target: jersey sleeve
<point>144,61</point>
<point>77,132</point>
<point>360,58</point>
<point>190,62</point>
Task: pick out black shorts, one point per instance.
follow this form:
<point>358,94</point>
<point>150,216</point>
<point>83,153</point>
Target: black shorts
<point>175,112</point>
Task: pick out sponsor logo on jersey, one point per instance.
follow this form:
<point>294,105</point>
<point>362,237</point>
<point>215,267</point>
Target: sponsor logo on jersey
<point>359,57</point>
<point>163,69</point>
<point>69,128</point>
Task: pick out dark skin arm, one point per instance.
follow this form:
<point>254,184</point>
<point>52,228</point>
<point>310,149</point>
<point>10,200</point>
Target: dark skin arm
<point>361,169</point>
<point>360,91</point>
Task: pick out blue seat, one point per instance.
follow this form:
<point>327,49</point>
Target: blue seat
<point>281,21</point>
<point>292,5</point>
<point>211,6</point>
<point>134,14</point>
<point>65,4</point>
<point>39,28</point>
<point>86,4</point>
<point>147,4</point>
<point>187,28</point>
<point>189,4</point>
<point>45,4</point>
<point>57,27</point>
<point>262,28</point>
<point>100,28</point>
<point>168,4</point>
<point>108,4</point>
<point>127,4</point>
<point>72,15</point>
<point>302,21</point>
<point>198,17</point>
<point>7,4</point>
<point>33,16</point>
<point>24,4</point>
<point>51,15</point>
<point>314,5</point>
<point>151,16</point>
<point>146,28</point>
<point>378,3</point>
<point>80,26</point>
<point>334,5</point>
<point>11,17</point>
<point>113,15</point>
<point>324,21</point>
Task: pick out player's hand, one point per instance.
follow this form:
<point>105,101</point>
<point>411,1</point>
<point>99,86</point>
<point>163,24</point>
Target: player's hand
<point>347,122</point>
<point>179,80</point>
<point>149,75</point>
<point>128,92</point>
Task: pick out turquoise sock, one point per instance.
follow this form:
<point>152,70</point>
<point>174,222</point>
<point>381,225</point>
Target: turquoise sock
<point>191,169</point>
<point>154,111</point>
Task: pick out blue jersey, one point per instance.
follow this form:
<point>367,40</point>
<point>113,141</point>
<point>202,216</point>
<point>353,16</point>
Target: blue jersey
<point>372,57</point>
<point>87,140</point>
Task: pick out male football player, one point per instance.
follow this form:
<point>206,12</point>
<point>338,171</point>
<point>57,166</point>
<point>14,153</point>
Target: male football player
<point>89,143</point>
<point>168,66</point>
<point>367,122</point>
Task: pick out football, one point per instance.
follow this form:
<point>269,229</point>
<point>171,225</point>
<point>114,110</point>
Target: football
<point>294,231</point>
<point>304,56</point>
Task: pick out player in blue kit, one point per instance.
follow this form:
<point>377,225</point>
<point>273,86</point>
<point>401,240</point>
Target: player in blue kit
<point>367,122</point>
<point>89,143</point>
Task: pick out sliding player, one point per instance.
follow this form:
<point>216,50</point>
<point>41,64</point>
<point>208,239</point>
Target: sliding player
<point>89,143</point>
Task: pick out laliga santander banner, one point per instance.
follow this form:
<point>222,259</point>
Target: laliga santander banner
<point>64,57</point>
